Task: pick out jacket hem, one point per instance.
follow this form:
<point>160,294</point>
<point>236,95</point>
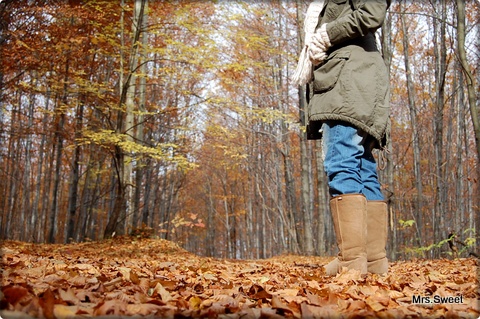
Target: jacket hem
<point>337,117</point>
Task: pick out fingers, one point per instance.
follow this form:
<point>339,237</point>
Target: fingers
<point>316,56</point>
<point>318,41</point>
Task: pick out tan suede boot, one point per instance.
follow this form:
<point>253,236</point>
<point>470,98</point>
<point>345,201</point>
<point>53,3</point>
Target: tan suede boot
<point>377,219</point>
<point>349,212</point>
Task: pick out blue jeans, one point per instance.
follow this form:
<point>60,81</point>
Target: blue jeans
<point>349,162</point>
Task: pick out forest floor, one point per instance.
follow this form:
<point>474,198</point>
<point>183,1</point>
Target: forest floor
<point>152,278</point>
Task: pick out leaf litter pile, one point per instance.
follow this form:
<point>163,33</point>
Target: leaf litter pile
<point>152,278</point>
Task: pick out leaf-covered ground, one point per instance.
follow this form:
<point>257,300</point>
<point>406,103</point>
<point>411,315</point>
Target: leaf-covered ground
<point>150,278</point>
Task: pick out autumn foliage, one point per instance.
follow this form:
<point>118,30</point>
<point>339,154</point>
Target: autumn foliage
<point>153,163</point>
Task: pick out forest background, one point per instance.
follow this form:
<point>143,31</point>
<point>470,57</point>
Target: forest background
<point>178,119</point>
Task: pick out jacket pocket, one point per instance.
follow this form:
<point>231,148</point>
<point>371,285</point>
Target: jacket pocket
<point>326,76</point>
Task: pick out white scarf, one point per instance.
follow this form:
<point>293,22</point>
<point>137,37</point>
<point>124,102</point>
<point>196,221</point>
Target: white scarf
<point>303,72</point>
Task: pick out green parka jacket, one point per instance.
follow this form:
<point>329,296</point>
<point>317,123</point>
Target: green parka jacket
<point>352,84</point>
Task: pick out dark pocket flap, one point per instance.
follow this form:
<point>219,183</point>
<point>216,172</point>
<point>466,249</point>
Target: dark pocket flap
<point>326,76</point>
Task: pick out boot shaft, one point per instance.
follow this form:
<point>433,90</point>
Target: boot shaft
<point>349,213</point>
<point>377,231</point>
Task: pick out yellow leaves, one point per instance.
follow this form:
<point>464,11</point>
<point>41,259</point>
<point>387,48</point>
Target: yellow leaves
<point>21,43</point>
<point>101,137</point>
<point>406,223</point>
<point>195,302</point>
<point>470,241</point>
<point>269,115</point>
<point>163,151</point>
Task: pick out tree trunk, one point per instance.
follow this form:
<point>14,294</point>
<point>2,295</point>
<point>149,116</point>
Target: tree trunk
<point>306,164</point>
<point>4,25</point>
<point>211,226</point>
<point>38,216</point>
<point>70,233</point>
<point>438,125</point>
<point>129,124</point>
<point>291,209</point>
<point>53,227</point>
<point>387,177</point>
<point>326,235</point>
<point>52,232</point>
<point>472,101</point>
<point>147,194</point>
<point>418,210</point>
<point>307,190</point>
<point>26,208</point>
<point>459,171</point>
<point>10,171</point>
<point>118,196</point>
<point>139,127</point>
<point>121,215</point>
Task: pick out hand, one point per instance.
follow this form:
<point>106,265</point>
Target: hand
<point>318,42</point>
<point>319,45</point>
<point>316,54</point>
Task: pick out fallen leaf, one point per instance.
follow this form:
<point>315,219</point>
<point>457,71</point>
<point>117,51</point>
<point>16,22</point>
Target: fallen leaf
<point>110,307</point>
<point>164,294</point>
<point>14,294</point>
<point>65,312</point>
<point>47,302</point>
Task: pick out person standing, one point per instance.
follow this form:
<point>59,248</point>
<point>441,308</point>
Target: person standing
<point>349,108</point>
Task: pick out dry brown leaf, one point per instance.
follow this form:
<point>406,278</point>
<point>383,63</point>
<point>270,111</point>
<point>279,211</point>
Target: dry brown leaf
<point>134,277</point>
<point>320,312</point>
<point>47,302</point>
<point>258,292</point>
<point>376,304</point>
<point>142,309</point>
<point>68,296</point>
<point>162,292</point>
<point>14,294</point>
<point>110,307</point>
<point>356,305</point>
<point>125,272</point>
<point>65,312</point>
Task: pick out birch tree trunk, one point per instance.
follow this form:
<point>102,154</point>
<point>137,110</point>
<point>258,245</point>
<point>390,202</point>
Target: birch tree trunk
<point>121,215</point>
<point>139,127</point>
<point>132,132</point>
